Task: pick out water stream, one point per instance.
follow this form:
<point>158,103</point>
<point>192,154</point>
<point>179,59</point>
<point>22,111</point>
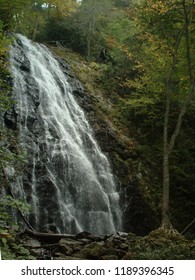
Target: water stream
<point>68,180</point>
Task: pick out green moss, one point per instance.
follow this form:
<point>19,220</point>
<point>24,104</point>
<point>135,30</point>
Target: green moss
<point>94,251</point>
<point>159,246</point>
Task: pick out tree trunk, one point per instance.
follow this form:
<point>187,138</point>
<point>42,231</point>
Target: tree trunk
<point>35,29</point>
<point>89,35</point>
<point>165,223</point>
<point>88,47</point>
<point>167,148</point>
<point>49,237</point>
<point>165,201</point>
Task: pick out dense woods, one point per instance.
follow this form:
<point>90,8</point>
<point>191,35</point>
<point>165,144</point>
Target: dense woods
<point>143,52</point>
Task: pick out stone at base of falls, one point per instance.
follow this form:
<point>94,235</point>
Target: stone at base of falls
<point>81,246</point>
<point>125,246</point>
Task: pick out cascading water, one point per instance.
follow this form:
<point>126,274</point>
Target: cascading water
<point>67,181</point>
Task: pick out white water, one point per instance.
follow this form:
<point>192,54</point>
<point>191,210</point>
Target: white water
<point>69,183</point>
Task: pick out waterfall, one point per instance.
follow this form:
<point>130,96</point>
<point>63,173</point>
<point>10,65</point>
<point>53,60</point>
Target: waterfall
<point>67,179</point>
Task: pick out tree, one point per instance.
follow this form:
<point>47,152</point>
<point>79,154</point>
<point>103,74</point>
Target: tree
<point>166,69</point>
<point>168,145</point>
<point>4,73</point>
<point>29,17</point>
<point>156,47</point>
<point>61,7</point>
<point>89,15</point>
<point>10,9</point>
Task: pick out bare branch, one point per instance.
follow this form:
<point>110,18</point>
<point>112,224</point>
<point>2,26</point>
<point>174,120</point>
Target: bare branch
<point>188,226</point>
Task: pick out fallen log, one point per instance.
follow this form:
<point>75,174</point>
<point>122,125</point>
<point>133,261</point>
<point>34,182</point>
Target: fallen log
<point>55,237</point>
<point>49,237</point>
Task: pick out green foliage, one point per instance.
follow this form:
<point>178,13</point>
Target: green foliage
<point>91,17</point>
<point>11,246</point>
<point>150,247</point>
<point>10,11</point>
<point>10,158</point>
<point>5,101</point>
<point>160,247</point>
<point>29,17</point>
<point>122,3</point>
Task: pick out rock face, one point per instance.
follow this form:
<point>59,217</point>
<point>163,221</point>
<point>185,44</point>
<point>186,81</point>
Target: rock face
<point>137,216</point>
<point>68,180</point>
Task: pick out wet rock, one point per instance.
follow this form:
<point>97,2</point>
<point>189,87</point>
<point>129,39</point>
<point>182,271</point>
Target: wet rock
<point>10,118</point>
<point>124,247</point>
<point>83,234</point>
<point>72,244</point>
<point>136,217</point>
<point>25,68</point>
<point>109,248</point>
<point>65,249</point>
<point>94,250</point>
